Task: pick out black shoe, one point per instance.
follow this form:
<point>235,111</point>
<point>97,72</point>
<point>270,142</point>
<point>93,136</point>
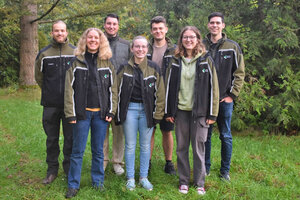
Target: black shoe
<point>49,179</point>
<point>169,168</point>
<point>225,177</point>
<point>71,193</point>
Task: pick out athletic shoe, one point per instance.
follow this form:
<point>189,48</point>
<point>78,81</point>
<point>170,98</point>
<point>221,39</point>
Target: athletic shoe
<point>169,168</point>
<point>118,169</point>
<point>130,185</point>
<point>225,177</point>
<point>71,193</point>
<point>183,189</point>
<point>201,190</point>
<point>146,184</point>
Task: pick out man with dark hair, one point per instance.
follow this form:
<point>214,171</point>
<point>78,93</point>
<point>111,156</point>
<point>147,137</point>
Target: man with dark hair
<point>161,51</point>
<point>50,66</point>
<point>230,67</point>
<point>121,54</point>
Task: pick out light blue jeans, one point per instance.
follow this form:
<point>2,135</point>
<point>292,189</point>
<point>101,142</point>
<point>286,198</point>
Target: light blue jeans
<point>136,121</point>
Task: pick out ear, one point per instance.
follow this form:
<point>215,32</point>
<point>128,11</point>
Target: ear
<point>223,25</point>
<point>167,29</point>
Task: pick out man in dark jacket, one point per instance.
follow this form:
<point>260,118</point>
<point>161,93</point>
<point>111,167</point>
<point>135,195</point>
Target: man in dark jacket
<point>230,68</point>
<point>121,54</point>
<point>160,50</point>
<point>50,66</point>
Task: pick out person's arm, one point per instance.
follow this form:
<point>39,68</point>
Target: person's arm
<point>38,74</point>
<point>214,105</point>
<point>238,74</point>
<point>68,96</point>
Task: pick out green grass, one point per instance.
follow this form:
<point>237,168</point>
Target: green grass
<point>263,167</point>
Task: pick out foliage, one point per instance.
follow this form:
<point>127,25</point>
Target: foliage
<point>267,31</point>
<point>257,170</point>
<point>9,46</point>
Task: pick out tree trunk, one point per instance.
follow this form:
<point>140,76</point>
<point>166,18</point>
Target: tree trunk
<point>28,43</point>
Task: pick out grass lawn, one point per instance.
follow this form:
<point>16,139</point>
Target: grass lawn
<point>263,167</point>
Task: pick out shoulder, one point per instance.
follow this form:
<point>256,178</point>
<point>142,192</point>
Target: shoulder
<point>43,50</point>
<point>233,44</point>
<point>71,46</point>
<point>154,66</point>
<point>123,41</point>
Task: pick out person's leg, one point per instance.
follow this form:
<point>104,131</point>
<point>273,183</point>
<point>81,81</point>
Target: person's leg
<point>182,131</point>
<point>145,143</point>
<point>106,149</point>
<point>199,130</point>
<point>118,148</point>
<point>208,149</point>
<point>130,127</point>
<point>68,141</point>
<point>51,125</point>
<point>167,142</point>
<point>98,133</point>
<point>80,135</point>
<point>224,124</point>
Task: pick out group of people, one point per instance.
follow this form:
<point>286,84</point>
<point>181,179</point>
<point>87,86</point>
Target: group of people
<point>134,87</point>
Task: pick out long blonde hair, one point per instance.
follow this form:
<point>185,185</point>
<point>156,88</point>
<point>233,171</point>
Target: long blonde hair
<point>199,48</point>
<point>104,48</point>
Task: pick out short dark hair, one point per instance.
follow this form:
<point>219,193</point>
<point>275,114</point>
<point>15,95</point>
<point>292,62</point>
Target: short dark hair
<point>112,15</point>
<point>158,19</point>
<point>216,14</point>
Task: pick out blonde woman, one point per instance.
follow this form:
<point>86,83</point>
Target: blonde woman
<point>192,95</point>
<point>90,102</point>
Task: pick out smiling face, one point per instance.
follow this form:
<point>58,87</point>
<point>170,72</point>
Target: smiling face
<point>59,32</point>
<point>111,26</point>
<point>189,40</point>
<point>159,31</point>
<point>216,26</point>
<point>93,41</point>
<point>139,50</point>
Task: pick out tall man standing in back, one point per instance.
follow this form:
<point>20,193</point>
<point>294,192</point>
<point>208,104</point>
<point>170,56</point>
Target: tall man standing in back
<point>161,51</point>
<point>121,54</point>
<point>230,68</point>
<point>50,66</point>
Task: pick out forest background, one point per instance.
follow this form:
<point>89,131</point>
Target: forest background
<point>268,32</point>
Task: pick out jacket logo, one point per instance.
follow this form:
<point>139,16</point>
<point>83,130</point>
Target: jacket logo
<point>151,84</point>
<point>105,75</point>
<point>204,70</point>
<point>226,56</point>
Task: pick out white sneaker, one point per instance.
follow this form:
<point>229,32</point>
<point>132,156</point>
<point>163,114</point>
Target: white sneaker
<point>118,169</point>
<point>183,189</point>
<point>201,190</point>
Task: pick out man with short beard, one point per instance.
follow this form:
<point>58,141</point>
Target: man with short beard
<point>50,66</point>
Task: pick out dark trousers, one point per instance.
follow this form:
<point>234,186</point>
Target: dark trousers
<point>51,123</point>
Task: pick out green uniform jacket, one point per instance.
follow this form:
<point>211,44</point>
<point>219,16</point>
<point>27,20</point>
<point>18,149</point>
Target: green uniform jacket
<point>76,88</point>
<point>229,62</point>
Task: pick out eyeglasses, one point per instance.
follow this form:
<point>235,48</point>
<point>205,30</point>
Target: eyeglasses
<point>191,37</point>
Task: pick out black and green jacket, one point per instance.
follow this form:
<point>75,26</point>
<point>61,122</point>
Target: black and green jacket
<point>166,57</point>
<point>229,63</point>
<point>51,64</point>
<point>153,92</point>
<point>76,88</point>
<point>206,90</point>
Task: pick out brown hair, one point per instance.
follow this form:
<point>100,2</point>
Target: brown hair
<point>104,48</point>
<point>199,48</point>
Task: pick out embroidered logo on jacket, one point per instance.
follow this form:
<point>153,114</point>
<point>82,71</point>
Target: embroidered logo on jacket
<point>204,70</point>
<point>105,76</point>
<point>226,56</point>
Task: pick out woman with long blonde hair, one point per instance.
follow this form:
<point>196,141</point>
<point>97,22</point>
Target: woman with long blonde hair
<point>90,102</point>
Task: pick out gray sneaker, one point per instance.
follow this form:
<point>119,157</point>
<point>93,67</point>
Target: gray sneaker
<point>146,184</point>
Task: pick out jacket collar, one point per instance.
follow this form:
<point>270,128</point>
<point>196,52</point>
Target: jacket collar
<point>169,43</point>
<point>220,41</point>
<point>112,39</point>
<point>142,65</point>
<point>59,45</point>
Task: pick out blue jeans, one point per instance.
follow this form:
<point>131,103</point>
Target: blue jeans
<point>224,124</point>
<point>80,135</point>
<point>136,121</point>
